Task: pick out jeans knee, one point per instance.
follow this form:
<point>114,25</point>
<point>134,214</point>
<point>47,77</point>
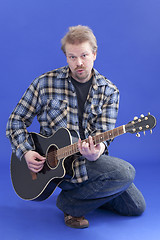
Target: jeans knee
<point>131,172</point>
<point>140,208</point>
<point>133,211</point>
<point>127,172</point>
<point>135,203</point>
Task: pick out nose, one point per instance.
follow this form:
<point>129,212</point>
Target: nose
<point>79,61</point>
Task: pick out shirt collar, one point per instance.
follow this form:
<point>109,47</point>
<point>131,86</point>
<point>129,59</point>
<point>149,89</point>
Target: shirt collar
<point>63,72</point>
<point>98,79</point>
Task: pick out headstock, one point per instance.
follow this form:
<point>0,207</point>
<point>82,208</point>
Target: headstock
<point>141,124</point>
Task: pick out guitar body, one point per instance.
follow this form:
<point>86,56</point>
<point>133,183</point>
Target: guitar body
<point>39,186</point>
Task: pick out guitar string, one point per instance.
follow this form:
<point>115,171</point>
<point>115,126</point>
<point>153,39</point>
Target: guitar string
<point>72,149</point>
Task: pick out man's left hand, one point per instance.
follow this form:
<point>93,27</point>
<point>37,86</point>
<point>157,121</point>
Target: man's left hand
<point>90,151</point>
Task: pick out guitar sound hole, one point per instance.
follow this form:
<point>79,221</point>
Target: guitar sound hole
<point>52,157</point>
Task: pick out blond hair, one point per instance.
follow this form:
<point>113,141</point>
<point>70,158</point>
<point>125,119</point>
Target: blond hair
<point>79,34</point>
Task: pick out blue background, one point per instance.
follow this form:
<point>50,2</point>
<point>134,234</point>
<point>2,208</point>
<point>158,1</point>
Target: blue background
<point>128,35</point>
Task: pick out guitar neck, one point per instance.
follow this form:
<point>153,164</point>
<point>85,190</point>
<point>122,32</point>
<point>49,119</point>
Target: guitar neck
<point>73,148</point>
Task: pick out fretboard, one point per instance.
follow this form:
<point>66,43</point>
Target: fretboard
<point>73,148</point>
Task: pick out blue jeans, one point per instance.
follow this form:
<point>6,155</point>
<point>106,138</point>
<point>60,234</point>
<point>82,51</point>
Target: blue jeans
<point>109,185</point>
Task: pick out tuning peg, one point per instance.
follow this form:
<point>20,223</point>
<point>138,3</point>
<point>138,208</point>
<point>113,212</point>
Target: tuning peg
<point>142,115</point>
<point>151,131</point>
<point>135,118</point>
<point>149,113</point>
<point>144,133</point>
<point>138,135</point>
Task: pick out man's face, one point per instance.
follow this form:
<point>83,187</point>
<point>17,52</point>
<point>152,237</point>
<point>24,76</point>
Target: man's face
<point>80,59</point>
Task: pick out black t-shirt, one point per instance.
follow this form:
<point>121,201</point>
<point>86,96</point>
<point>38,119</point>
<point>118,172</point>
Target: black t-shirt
<point>82,90</point>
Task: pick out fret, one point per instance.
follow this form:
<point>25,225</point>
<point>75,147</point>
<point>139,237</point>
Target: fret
<point>106,136</point>
<point>121,130</point>
<point>110,133</point>
<point>101,139</point>
<point>115,132</point>
<point>74,147</point>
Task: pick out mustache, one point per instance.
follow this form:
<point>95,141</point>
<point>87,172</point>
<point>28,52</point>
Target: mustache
<point>79,68</point>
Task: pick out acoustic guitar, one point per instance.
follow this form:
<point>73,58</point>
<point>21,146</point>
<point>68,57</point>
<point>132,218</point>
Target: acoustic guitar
<point>60,150</point>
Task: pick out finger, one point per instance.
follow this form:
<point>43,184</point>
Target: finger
<point>34,166</point>
<point>98,147</point>
<point>79,144</point>
<point>34,157</point>
<point>36,163</point>
<point>84,145</point>
<point>38,160</point>
<point>91,144</point>
<point>35,170</point>
<point>39,157</point>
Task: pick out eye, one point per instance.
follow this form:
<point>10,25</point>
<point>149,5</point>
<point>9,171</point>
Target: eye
<point>72,57</point>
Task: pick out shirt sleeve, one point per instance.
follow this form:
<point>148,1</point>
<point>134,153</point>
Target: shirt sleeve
<point>20,119</point>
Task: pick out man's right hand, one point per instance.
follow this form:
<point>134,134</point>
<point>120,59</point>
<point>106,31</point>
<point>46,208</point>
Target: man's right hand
<point>34,161</point>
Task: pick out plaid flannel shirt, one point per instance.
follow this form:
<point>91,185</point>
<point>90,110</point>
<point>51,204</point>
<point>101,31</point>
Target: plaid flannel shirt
<point>52,98</point>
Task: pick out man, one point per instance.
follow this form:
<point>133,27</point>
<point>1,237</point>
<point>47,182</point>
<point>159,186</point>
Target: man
<point>77,97</point>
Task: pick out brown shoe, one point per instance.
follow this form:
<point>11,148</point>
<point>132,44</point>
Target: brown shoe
<point>75,222</point>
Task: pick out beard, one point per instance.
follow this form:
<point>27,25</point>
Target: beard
<point>81,75</point>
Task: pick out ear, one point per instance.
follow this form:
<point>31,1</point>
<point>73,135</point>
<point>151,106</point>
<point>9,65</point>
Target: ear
<point>94,55</point>
<point>67,59</point>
